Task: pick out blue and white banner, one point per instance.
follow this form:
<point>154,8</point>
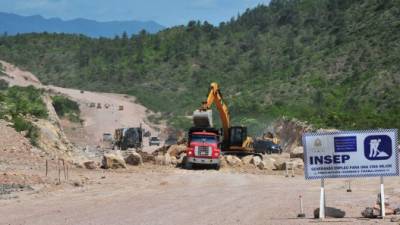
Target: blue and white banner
<point>341,154</point>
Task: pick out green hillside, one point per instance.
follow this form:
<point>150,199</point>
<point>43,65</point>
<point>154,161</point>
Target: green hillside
<point>334,63</point>
<point>19,103</point>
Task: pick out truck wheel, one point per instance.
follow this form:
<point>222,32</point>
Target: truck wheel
<point>124,147</point>
<point>188,165</point>
<point>217,166</point>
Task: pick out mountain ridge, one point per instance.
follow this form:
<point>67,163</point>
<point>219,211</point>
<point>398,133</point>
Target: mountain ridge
<point>12,24</point>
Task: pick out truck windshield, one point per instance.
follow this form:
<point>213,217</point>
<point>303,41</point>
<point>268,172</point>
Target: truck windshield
<point>203,138</point>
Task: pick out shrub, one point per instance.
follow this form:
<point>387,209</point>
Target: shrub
<point>66,108</point>
<point>20,124</point>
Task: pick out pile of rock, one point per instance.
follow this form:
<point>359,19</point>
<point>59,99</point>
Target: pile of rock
<point>290,132</point>
<point>375,211</point>
<point>117,160</point>
<point>134,159</point>
<point>113,161</point>
<point>171,155</point>
<point>175,155</point>
<point>262,162</point>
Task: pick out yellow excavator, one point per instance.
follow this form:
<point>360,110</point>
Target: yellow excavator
<point>235,139</point>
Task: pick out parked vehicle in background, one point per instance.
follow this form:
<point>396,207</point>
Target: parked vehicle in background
<point>108,137</point>
<point>147,134</point>
<point>266,147</point>
<point>154,141</point>
<point>125,138</point>
<point>171,140</point>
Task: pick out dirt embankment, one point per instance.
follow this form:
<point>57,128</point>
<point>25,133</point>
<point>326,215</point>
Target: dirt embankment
<point>61,139</point>
<point>100,112</point>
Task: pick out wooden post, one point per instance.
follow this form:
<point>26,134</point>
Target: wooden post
<point>67,171</point>
<point>47,167</point>
<point>65,174</point>
<point>59,171</point>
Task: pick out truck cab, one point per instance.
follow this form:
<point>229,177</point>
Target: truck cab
<point>203,148</point>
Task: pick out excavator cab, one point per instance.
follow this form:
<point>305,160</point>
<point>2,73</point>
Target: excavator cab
<point>237,136</point>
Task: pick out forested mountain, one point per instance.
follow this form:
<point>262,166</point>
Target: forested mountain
<point>13,24</point>
<point>334,63</point>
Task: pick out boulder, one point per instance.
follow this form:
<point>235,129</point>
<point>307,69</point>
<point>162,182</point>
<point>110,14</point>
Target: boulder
<point>395,219</point>
<point>267,164</point>
<point>280,163</point>
<point>233,161</point>
<point>159,159</point>
<point>176,150</point>
<point>222,162</point>
<point>181,158</point>
<point>91,165</point>
<point>370,213</point>
<point>174,160</point>
<point>113,161</point>
<point>247,159</point>
<point>163,159</point>
<point>255,160</point>
<point>297,152</point>
<point>146,157</point>
<point>330,212</point>
<point>134,159</point>
<point>298,163</point>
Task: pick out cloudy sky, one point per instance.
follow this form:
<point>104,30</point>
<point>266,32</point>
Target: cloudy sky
<point>165,12</point>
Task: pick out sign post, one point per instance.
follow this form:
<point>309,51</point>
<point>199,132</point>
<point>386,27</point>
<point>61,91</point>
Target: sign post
<point>383,214</point>
<point>344,154</point>
<point>322,200</point>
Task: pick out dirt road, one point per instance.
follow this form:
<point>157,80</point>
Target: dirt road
<point>96,120</point>
<point>153,196</point>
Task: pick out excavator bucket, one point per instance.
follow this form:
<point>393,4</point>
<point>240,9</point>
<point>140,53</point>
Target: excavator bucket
<point>202,118</point>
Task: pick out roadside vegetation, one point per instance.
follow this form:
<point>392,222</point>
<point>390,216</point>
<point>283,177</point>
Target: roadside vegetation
<point>66,108</point>
<point>2,70</point>
<point>20,105</point>
<point>334,63</point>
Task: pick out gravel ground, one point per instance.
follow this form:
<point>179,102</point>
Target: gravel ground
<point>161,195</point>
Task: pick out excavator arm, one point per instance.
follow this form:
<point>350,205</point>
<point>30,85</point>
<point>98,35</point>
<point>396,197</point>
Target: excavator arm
<point>235,138</point>
<point>215,96</point>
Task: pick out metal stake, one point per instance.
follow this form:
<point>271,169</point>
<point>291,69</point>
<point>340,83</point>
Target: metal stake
<point>301,214</point>
<point>349,186</point>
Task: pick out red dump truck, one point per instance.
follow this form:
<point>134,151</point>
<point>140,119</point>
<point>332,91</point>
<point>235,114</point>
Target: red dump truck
<point>203,147</point>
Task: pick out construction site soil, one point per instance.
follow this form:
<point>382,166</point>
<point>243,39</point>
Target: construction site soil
<point>152,194</point>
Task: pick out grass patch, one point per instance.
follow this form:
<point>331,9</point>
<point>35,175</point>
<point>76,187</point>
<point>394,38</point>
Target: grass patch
<point>2,70</point>
<point>19,102</point>
<point>66,108</point>
<point>32,131</point>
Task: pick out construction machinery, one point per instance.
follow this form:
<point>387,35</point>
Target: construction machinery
<point>235,139</point>
<point>204,149</point>
<point>125,138</point>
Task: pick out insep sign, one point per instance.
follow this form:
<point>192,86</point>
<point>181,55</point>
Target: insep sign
<point>351,154</point>
<point>329,159</point>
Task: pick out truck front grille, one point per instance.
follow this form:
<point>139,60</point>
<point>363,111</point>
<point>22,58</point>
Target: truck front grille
<point>203,151</point>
